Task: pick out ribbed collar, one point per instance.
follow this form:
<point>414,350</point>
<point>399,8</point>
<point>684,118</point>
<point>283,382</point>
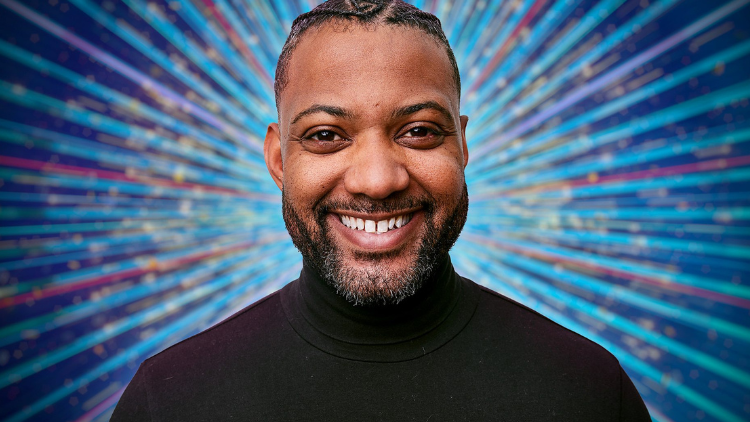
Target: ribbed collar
<point>417,326</point>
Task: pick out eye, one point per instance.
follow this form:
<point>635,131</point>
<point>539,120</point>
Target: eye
<point>325,136</point>
<point>323,141</point>
<point>419,131</point>
<point>421,137</point>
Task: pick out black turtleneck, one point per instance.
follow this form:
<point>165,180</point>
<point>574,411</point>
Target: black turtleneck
<point>454,351</point>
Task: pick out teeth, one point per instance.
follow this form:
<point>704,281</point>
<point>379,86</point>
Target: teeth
<point>372,226</point>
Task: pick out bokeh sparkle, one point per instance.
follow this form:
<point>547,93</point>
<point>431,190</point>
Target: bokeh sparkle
<point>608,177</point>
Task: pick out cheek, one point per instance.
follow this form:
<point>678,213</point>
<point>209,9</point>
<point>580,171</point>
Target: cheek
<point>307,179</point>
<point>440,175</point>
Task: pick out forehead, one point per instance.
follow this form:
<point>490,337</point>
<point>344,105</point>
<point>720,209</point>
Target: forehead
<point>375,66</point>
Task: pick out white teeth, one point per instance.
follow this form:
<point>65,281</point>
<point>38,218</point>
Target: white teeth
<point>372,226</point>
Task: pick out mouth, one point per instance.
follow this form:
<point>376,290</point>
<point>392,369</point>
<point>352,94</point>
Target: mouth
<point>377,232</point>
<point>380,226</point>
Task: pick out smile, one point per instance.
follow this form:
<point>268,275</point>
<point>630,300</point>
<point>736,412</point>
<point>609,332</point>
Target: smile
<point>372,226</point>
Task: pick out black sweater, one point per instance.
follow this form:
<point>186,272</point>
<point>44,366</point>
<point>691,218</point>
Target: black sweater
<point>455,351</point>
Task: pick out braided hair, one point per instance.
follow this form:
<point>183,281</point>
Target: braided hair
<point>363,12</point>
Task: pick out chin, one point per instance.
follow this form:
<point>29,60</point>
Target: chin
<point>377,281</point>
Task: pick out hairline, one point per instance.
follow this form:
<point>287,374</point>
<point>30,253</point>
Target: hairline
<point>281,79</point>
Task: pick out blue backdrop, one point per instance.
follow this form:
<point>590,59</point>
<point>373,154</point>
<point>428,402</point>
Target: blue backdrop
<point>610,158</point>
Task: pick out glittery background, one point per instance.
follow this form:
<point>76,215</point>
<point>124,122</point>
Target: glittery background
<point>610,158</point>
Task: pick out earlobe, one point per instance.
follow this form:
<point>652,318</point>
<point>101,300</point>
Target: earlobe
<point>464,145</point>
<point>272,154</point>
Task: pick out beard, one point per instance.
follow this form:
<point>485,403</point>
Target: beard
<point>376,284</point>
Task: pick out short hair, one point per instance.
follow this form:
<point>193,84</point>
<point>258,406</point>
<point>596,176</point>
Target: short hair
<point>366,12</point>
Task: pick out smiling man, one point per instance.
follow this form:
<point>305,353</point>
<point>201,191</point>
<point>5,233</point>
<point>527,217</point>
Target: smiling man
<point>369,153</point>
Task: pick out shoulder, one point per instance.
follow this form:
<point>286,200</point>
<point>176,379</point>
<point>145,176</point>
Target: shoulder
<point>503,319</point>
<point>234,335</point>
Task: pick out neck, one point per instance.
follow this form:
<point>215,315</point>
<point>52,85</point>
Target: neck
<point>386,332</point>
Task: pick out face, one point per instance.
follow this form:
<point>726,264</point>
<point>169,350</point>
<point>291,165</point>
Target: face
<point>370,154</point>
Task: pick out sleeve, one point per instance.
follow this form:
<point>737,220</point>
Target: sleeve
<point>632,408</point>
<point>133,405</point>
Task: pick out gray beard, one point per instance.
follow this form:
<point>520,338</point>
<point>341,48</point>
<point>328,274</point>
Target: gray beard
<point>377,285</point>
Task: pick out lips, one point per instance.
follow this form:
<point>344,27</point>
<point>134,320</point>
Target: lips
<point>375,226</point>
<point>377,232</point>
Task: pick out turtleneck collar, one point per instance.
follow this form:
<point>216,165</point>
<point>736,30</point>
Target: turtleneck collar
<point>388,333</point>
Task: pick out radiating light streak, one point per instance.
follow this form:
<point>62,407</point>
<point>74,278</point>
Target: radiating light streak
<point>573,221</point>
<point>648,215</point>
<point>635,126</point>
<point>621,103</point>
<point>257,77</point>
<point>145,47</point>
<point>98,121</point>
<point>102,407</point>
<point>507,34</point>
<point>181,326</point>
<point>673,147</point>
<point>623,69</point>
<point>559,11</point>
<point>717,290</point>
<point>641,241</point>
<point>116,156</point>
<point>93,184</point>
<point>144,317</point>
<point>126,102</point>
<point>505,273</point>
<point>489,68</point>
<point>118,177</point>
<point>153,16</point>
<point>678,314</point>
<point>130,225</point>
<point>669,177</point>
<point>554,82</point>
<point>618,187</point>
<point>97,275</point>
<point>612,319</point>
<point>34,327</point>
<point>592,18</point>
<point>112,249</point>
<point>270,26</point>
<point>133,74</point>
<point>493,19</point>
<point>242,40</point>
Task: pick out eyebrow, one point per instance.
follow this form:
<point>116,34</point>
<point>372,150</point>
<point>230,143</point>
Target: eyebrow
<point>321,108</point>
<point>401,112</point>
<point>427,105</point>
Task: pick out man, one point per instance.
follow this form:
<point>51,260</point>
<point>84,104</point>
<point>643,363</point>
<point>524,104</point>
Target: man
<point>369,153</point>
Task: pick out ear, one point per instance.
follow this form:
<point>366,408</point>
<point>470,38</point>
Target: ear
<point>464,122</point>
<point>272,154</point>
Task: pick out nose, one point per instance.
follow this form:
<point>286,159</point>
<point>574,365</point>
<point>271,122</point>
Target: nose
<point>376,169</point>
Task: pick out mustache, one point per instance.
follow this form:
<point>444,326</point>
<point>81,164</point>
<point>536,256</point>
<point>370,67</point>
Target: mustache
<point>365,204</point>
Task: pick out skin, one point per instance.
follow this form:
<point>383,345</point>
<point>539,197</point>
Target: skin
<point>369,126</point>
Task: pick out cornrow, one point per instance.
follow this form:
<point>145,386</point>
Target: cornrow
<point>367,12</point>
